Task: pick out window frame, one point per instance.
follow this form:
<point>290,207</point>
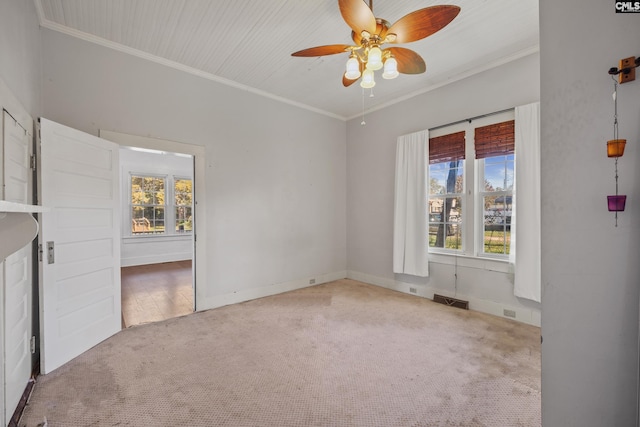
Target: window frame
<point>464,195</point>
<point>132,205</point>
<point>170,206</point>
<point>482,193</point>
<point>472,202</point>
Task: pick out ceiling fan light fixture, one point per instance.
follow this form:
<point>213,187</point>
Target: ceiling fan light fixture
<point>367,79</point>
<point>353,68</point>
<point>374,58</point>
<point>369,33</point>
<point>390,68</point>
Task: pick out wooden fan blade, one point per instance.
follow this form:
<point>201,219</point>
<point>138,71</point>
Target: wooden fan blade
<point>358,16</point>
<point>323,50</point>
<point>422,23</point>
<point>409,62</point>
<point>347,82</point>
<point>357,38</point>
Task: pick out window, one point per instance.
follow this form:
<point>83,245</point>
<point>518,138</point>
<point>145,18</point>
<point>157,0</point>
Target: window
<point>161,205</point>
<point>446,190</point>
<point>495,146</point>
<point>147,205</point>
<point>183,195</point>
<point>471,187</point>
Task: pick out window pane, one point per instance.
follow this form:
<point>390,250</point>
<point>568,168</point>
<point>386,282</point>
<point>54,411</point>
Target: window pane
<point>498,173</point>
<point>158,222</point>
<point>446,177</point>
<point>497,224</point>
<point>183,219</point>
<point>139,224</point>
<point>183,192</point>
<point>445,222</point>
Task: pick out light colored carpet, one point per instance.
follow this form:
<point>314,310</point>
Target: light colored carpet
<point>339,354</point>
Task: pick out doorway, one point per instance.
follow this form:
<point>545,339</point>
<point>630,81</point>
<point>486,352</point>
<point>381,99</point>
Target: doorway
<point>197,154</point>
<point>157,244</point>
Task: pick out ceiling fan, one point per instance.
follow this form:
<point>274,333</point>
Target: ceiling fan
<point>370,33</point>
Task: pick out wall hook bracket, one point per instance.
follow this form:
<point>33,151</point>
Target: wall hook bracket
<point>626,70</point>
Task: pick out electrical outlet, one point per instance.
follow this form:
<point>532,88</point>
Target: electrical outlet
<point>312,281</point>
<point>413,290</point>
<point>509,313</point>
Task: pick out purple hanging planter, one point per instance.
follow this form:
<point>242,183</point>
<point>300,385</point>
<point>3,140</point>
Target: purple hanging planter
<point>616,203</point>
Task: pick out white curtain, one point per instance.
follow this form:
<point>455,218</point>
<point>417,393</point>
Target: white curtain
<point>410,237</point>
<point>525,233</point>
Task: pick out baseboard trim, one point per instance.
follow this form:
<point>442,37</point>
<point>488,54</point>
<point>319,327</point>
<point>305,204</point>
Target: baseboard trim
<point>530,316</point>
<point>154,259</point>
<point>17,414</point>
<point>206,303</point>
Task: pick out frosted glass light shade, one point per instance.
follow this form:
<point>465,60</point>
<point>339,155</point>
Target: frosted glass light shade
<point>390,68</point>
<point>367,79</point>
<point>353,68</point>
<point>374,58</point>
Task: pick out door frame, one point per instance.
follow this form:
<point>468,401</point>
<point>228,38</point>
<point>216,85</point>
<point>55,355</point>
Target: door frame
<point>199,191</point>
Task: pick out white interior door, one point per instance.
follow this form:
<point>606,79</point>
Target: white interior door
<point>17,269</point>
<point>80,268</point>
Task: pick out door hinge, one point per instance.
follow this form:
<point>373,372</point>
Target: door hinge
<point>39,251</point>
<point>33,344</point>
<point>33,162</point>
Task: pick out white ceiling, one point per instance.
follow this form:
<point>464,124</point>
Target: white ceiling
<point>248,43</point>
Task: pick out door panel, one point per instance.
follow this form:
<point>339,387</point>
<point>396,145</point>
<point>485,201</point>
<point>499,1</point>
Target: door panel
<point>16,161</point>
<point>17,269</point>
<point>80,287</point>
<point>18,327</point>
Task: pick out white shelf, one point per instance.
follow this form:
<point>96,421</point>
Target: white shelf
<point>19,207</point>
<point>17,226</point>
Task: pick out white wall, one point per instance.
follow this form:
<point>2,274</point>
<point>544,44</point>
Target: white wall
<point>275,174</point>
<point>152,249</point>
<point>590,268</point>
<point>370,181</point>
<point>20,63</point>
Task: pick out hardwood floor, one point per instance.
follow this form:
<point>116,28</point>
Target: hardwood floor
<point>156,292</point>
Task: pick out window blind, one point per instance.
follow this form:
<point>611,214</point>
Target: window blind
<point>495,140</point>
<point>446,148</point>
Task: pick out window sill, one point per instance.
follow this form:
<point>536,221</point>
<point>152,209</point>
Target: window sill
<point>482,263</point>
<point>147,238</point>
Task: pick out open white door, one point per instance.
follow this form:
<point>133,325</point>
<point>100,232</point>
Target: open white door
<point>80,237</point>
<point>17,269</point>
